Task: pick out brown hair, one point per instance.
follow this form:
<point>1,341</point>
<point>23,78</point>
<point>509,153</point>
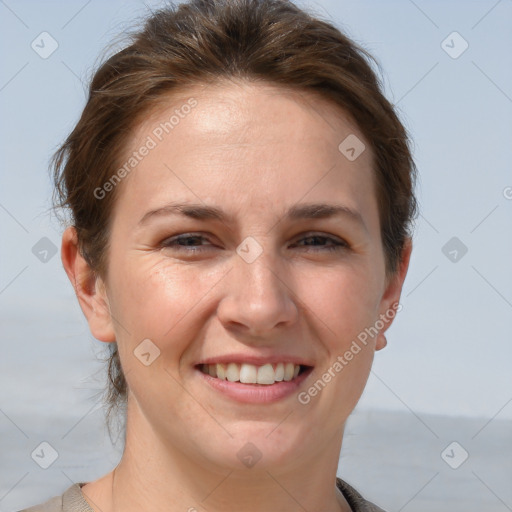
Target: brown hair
<point>204,41</point>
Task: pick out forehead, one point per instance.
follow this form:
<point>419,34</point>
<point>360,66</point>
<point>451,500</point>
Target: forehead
<point>230,112</point>
<point>246,143</point>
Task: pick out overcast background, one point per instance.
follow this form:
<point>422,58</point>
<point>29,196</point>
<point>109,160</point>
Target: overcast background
<point>449,351</point>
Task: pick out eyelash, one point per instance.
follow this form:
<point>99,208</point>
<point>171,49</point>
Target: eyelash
<point>174,242</point>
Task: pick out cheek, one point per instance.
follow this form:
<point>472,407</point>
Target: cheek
<point>159,300</point>
<point>344,301</point>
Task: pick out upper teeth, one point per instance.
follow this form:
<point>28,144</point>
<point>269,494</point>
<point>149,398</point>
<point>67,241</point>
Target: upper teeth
<point>251,374</point>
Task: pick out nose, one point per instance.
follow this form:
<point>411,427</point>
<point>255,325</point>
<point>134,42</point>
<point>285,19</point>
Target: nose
<point>258,297</point>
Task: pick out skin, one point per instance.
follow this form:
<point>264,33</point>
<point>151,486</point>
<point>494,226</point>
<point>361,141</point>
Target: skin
<point>254,150</point>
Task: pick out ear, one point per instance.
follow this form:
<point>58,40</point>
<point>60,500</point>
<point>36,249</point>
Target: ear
<point>89,288</point>
<point>391,297</point>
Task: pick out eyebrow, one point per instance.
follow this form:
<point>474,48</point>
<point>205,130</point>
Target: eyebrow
<point>296,212</point>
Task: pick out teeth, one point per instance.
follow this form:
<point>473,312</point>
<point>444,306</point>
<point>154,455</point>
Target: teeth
<point>232,372</point>
<point>279,372</point>
<point>288,371</point>
<point>266,374</point>
<point>221,371</point>
<point>251,374</point>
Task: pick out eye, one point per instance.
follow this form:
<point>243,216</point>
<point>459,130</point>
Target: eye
<point>188,242</point>
<point>193,243</point>
<point>336,244</point>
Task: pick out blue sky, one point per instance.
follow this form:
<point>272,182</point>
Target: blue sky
<point>450,348</point>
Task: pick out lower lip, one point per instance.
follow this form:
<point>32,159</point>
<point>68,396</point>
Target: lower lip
<point>256,393</point>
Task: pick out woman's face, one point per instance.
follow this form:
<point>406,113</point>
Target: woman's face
<point>241,271</point>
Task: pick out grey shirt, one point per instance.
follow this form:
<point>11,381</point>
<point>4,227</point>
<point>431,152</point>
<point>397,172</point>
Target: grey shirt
<point>73,500</point>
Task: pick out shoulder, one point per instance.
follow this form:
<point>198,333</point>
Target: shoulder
<point>52,505</point>
<point>354,499</point>
<point>71,501</point>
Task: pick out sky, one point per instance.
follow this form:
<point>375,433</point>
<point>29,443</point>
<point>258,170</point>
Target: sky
<point>447,68</point>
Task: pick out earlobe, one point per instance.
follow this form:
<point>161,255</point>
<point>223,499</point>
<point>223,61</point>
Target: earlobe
<point>381,341</point>
<point>89,288</point>
<point>391,297</point>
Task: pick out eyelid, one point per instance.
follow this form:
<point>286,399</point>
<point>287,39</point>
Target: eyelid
<point>339,242</point>
<point>321,234</point>
<point>184,235</point>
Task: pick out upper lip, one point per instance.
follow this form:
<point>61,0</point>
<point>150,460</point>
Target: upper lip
<point>256,360</point>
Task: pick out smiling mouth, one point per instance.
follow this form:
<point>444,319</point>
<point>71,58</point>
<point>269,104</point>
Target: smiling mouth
<point>246,373</point>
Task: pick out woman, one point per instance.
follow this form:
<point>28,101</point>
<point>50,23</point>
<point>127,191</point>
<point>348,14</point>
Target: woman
<point>241,195</point>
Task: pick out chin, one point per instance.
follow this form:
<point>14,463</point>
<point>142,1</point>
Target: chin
<point>262,446</point>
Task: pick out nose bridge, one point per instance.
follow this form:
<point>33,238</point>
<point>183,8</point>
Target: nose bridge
<point>257,267</point>
<point>257,295</point>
